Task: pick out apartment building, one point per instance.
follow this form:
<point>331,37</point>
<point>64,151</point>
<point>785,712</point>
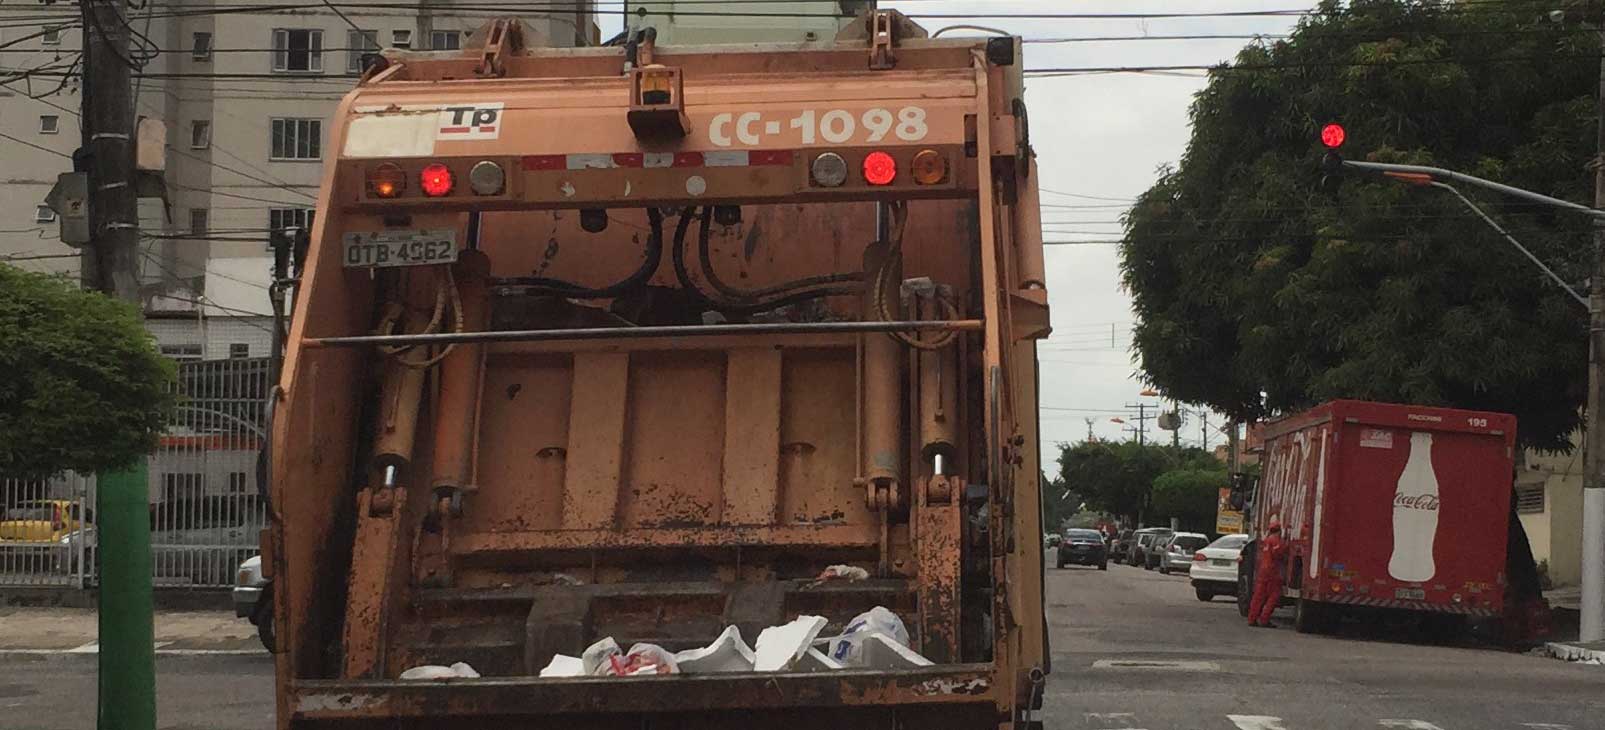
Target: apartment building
<point>245,89</point>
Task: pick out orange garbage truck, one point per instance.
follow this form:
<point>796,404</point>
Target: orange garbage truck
<point>659,346</point>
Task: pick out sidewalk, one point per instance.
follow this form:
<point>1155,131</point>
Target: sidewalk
<point>74,630</point>
<point>1567,602</point>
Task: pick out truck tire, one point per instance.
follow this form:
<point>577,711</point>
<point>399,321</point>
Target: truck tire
<point>1310,617</point>
<point>1245,583</point>
<point>1204,594</point>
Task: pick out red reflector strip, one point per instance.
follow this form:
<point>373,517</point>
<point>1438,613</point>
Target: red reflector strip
<point>633,160</point>
<point>769,157</point>
<point>545,162</point>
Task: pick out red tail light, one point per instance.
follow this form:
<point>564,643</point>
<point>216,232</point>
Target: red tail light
<point>436,180</point>
<point>879,168</point>
<point>1199,557</point>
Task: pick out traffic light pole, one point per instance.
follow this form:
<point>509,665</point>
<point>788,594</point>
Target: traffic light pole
<point>1593,547</point>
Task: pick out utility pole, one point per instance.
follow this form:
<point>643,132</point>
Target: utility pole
<point>1089,427</point>
<point>1593,558</point>
<point>1141,428</point>
<point>1203,428</point>
<point>127,658</point>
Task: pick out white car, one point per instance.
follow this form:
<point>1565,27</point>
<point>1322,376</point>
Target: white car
<point>1214,568</point>
<point>253,599</point>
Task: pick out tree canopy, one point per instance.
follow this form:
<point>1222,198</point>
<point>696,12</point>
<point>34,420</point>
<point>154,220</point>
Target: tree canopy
<point>1258,292</point>
<point>85,387</point>
<point>1118,477</point>
<point>1191,496</point>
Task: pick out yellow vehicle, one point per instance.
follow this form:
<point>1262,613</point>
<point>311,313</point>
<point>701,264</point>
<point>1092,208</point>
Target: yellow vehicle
<point>40,520</point>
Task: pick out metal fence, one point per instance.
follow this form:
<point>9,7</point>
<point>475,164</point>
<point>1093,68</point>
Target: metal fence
<point>206,515</point>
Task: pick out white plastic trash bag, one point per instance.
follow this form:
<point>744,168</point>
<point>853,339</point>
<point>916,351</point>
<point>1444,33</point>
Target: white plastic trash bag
<point>848,648</point>
<point>596,660</point>
<point>563,665</point>
<point>643,659</point>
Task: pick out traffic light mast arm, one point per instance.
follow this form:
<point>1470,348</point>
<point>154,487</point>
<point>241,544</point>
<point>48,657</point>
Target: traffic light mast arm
<point>1441,175</point>
<point>1512,239</point>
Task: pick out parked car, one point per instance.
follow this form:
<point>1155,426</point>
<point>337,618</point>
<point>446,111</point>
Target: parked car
<point>1176,553</point>
<point>1214,569</point>
<point>1051,540</point>
<point>1120,545</point>
<point>40,520</point>
<point>1083,547</point>
<point>1145,541</point>
<point>253,599</point>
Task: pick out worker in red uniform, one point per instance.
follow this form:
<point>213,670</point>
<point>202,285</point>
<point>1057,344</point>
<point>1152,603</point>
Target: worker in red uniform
<point>1269,567</point>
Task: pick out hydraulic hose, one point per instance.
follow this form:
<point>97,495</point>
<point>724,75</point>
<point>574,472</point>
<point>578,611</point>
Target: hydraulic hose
<point>737,307</point>
<point>649,266</point>
<point>706,259</point>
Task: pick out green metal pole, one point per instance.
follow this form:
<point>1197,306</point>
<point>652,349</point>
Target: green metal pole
<point>127,696</point>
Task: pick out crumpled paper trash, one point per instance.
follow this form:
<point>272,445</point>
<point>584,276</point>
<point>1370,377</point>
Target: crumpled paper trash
<point>435,671</point>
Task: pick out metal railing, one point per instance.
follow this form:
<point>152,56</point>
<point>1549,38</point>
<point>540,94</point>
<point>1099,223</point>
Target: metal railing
<point>206,514</point>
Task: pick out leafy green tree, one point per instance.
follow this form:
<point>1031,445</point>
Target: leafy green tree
<point>85,387</point>
<point>1189,495</point>
<point>1118,477</point>
<point>1257,293</point>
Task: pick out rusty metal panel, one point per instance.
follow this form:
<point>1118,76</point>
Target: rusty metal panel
<point>368,601</point>
<point>818,456</point>
<point>752,437</point>
<point>524,432</point>
<point>595,440</point>
<point>673,438</point>
<point>813,535</point>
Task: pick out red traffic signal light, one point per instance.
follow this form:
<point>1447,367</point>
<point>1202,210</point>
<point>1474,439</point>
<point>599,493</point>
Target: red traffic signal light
<point>1332,135</point>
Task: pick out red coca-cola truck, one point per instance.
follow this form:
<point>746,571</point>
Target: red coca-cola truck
<point>1387,506</point>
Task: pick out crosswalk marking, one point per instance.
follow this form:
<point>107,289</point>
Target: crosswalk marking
<point>1256,722</point>
<point>1408,724</point>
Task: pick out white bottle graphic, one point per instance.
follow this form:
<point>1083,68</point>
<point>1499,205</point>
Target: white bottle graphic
<point>1415,515</point>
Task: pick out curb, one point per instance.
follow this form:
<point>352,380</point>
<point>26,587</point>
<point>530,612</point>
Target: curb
<point>1573,653</point>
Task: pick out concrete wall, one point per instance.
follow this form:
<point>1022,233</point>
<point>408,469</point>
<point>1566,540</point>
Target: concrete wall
<point>1556,533</point>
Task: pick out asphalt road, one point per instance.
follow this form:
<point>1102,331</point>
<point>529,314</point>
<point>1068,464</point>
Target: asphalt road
<point>1131,650</point>
<point>1199,666</point>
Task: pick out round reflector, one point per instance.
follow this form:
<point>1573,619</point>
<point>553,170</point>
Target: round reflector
<point>1332,135</point>
<point>879,168</point>
<point>435,180</point>
<point>829,170</point>
<point>386,181</point>
<point>929,167</point>
<point>486,178</point>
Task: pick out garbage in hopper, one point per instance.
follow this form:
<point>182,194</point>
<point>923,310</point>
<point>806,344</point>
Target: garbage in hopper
<point>875,639</point>
<point>435,671</point>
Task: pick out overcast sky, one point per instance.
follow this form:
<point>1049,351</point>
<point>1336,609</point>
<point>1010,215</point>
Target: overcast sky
<point>1099,140</point>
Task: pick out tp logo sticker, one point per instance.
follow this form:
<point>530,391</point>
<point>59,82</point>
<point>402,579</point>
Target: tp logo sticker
<point>470,121</point>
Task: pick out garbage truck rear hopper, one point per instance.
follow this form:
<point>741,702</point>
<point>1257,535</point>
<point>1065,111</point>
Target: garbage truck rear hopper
<point>645,343</point>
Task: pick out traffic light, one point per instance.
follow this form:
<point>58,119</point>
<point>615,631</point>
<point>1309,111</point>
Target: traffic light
<point>1333,136</point>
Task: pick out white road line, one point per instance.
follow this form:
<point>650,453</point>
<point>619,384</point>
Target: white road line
<point>1157,664</point>
<point>1408,724</point>
<point>1112,720</point>
<point>90,648</point>
<point>1256,722</point>
<point>1546,726</point>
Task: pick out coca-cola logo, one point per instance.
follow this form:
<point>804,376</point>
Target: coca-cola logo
<point>1425,502</point>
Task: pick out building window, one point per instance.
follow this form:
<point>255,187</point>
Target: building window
<point>360,47</point>
<point>282,218</point>
<point>43,214</point>
<point>401,38</point>
<point>238,350</point>
<point>49,124</point>
<point>200,134</point>
<point>51,36</point>
<point>446,40</point>
<point>1530,500</point>
<point>297,139</point>
<point>182,353</point>
<point>201,46</point>
<point>298,50</point>
<point>197,221</point>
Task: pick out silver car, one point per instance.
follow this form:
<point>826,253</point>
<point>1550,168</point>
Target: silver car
<point>1176,552</point>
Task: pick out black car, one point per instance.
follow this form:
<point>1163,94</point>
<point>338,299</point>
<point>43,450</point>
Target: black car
<point>1083,547</point>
